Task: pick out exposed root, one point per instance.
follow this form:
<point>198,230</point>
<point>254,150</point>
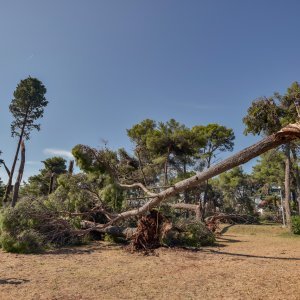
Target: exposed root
<point>147,235</point>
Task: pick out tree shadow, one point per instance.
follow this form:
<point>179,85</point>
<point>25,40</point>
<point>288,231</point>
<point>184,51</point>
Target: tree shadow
<point>84,249</point>
<point>226,228</point>
<point>226,240</point>
<point>14,281</point>
<point>250,255</point>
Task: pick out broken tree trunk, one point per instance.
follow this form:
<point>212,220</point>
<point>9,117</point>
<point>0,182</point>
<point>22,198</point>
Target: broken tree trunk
<point>11,173</point>
<point>285,135</point>
<point>20,175</point>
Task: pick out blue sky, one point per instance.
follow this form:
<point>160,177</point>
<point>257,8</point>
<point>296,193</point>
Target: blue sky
<point>110,64</point>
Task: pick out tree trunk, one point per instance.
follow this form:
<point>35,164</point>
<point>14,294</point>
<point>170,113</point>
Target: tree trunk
<point>71,167</point>
<point>141,166</point>
<point>116,231</point>
<point>205,198</point>
<point>297,176</point>
<point>166,168</point>
<point>51,183</point>
<point>287,187</point>
<point>8,187</point>
<point>285,135</point>
<point>20,175</point>
<point>204,201</point>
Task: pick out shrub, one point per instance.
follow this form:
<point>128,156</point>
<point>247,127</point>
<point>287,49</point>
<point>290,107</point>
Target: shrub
<point>186,233</point>
<point>31,226</point>
<point>28,241</point>
<point>296,224</point>
<point>270,216</point>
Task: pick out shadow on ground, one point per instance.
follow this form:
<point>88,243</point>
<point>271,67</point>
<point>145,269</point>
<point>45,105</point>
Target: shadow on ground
<point>249,255</point>
<point>14,281</point>
<point>84,249</point>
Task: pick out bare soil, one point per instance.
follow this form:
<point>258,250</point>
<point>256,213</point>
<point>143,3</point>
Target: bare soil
<point>249,262</point>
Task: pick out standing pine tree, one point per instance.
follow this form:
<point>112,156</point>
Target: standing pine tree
<point>268,115</point>
<point>26,107</point>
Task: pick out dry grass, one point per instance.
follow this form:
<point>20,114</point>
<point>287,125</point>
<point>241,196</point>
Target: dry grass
<point>250,262</point>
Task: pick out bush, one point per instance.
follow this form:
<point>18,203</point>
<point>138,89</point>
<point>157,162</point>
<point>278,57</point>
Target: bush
<point>270,216</point>
<point>31,226</point>
<point>296,224</point>
<point>186,233</point>
<point>28,241</point>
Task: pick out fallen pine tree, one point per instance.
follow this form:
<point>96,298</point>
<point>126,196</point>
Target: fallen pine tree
<point>59,227</point>
<point>285,135</point>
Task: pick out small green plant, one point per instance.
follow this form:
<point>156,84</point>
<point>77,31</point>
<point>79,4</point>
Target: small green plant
<point>296,224</point>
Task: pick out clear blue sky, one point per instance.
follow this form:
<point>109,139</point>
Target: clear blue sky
<point>110,64</point>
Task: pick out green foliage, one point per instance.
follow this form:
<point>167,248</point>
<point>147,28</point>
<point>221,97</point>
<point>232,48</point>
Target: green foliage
<point>188,234</point>
<point>27,106</point>
<point>55,165</point>
<point>91,160</point>
<point>212,138</point>
<point>268,115</point>
<point>28,241</point>
<point>112,195</point>
<point>81,192</point>
<point>269,168</point>
<point>296,224</point>
<point>236,189</point>
<point>140,132</point>
<point>76,193</point>
<point>288,103</point>
<point>38,185</point>
<point>263,117</point>
<point>33,225</point>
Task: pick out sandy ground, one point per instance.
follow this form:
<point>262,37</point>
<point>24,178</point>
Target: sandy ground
<point>249,263</point>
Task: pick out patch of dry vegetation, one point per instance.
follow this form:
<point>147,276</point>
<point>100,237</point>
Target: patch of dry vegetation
<point>250,262</point>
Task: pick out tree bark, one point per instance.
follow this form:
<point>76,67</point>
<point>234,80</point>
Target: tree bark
<point>166,166</point>
<point>52,175</point>
<point>115,231</point>
<point>8,187</point>
<point>141,166</point>
<point>297,176</point>
<point>71,167</point>
<point>285,135</point>
<point>287,187</point>
<point>205,198</point>
<point>20,175</point>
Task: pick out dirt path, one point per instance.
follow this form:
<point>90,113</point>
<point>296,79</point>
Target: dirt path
<point>250,262</point>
